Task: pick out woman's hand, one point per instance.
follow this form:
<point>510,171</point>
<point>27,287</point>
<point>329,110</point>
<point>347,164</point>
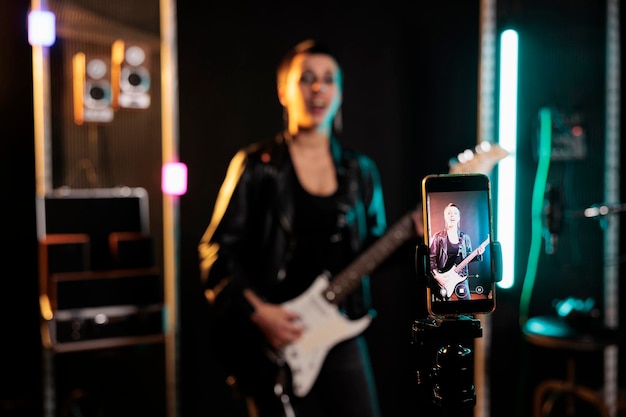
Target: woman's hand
<point>279,325</point>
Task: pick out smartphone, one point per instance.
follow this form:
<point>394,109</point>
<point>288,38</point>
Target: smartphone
<point>458,234</point>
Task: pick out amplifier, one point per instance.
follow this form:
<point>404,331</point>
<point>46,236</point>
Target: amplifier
<point>104,327</point>
<point>99,286</point>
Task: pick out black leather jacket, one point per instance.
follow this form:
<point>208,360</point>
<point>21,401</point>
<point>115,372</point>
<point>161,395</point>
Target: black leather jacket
<point>439,250</point>
<point>250,237</point>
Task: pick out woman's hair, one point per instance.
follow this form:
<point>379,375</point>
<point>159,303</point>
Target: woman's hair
<point>309,46</point>
<point>450,205</point>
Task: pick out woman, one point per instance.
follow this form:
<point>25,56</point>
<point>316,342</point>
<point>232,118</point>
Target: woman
<point>290,209</point>
<point>448,248</point>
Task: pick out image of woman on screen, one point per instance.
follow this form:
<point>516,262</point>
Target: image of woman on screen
<point>450,251</point>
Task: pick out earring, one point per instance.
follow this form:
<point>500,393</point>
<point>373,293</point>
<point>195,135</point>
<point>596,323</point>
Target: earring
<point>338,122</point>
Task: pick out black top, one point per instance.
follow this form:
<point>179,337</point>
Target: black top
<point>320,245</point>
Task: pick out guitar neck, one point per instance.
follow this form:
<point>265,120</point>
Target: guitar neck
<point>347,281</point>
<point>469,257</point>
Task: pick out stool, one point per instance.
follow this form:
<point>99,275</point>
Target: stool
<point>569,334</point>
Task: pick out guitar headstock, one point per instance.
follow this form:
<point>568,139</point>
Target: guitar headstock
<point>480,160</point>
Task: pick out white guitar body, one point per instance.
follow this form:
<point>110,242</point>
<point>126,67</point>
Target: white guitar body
<point>325,326</point>
<point>448,281</point>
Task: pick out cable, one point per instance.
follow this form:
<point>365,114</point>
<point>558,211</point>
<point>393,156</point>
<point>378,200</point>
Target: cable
<point>539,189</point>
<point>543,166</point>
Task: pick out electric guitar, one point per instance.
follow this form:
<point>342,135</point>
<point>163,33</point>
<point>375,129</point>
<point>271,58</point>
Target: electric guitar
<point>250,358</point>
<point>449,279</point>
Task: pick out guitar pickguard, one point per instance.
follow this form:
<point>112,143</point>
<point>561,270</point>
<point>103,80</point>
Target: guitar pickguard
<point>325,326</point>
<point>448,281</point>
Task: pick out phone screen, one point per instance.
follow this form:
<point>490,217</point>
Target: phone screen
<point>458,235</point>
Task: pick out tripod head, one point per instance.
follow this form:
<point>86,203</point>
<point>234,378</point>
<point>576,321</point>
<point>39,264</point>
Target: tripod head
<point>450,382</point>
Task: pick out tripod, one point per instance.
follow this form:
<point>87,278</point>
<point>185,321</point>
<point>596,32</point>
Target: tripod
<point>449,383</point>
